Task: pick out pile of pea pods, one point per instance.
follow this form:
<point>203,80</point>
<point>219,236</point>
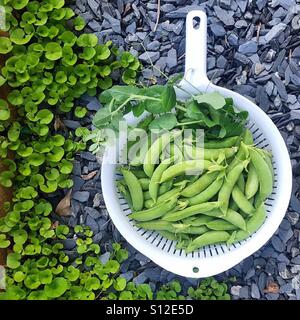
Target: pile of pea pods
<point>224,204</point>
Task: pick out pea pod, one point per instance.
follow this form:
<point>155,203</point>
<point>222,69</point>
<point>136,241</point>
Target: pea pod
<point>247,137</point>
<point>144,182</point>
<point>225,143</point>
<point>230,241</point>
<point>235,218</point>
<point>264,174</point>
<point>201,184</point>
<point>229,183</point>
<point>139,174</point>
<point>208,238</point>
<point>252,182</point>
<point>161,225</point>
<point>155,179</point>
<point>168,235</point>
<point>167,195</point>
<point>153,153</point>
<point>241,201</point>
<point>220,225</point>
<point>209,154</point>
<point>141,147</point>
<point>207,194</point>
<point>241,183</point>
<point>190,211</point>
<point>253,224</point>
<point>191,229</point>
<point>187,167</point>
<point>164,187</point>
<point>154,212</point>
<point>135,189</point>
<point>123,190</point>
<point>198,221</point>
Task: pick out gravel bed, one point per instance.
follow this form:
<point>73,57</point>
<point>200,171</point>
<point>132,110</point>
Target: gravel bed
<point>253,49</point>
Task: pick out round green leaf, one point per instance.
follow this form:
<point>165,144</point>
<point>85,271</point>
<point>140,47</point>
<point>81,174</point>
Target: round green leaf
<point>120,284</point>
<point>56,288</point>
<point>15,97</point>
<point>19,276</point>
<point>44,116</point>
<point>4,110</point>
<point>53,51</point>
<point>52,174</point>
<point>13,260</point>
<point>36,159</point>
<point>37,295</point>
<point>87,40</point>
<point>45,276</point>
<point>5,45</point>
<point>32,281</point>
<point>20,236</point>
<point>102,52</point>
<point>80,112</point>
<point>4,243</point>
<point>65,166</point>
<point>19,4</point>
<point>79,23</point>
<point>19,37</point>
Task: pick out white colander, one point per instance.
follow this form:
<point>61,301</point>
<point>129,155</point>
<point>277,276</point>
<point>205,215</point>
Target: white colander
<point>212,259</point>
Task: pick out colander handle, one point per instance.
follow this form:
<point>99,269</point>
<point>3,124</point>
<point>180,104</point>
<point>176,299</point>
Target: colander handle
<point>195,50</point>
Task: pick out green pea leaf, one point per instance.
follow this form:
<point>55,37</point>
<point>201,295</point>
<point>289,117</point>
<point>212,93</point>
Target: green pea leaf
<point>4,110</point>
<point>166,121</point>
<point>214,99</point>
<point>102,116</point>
<point>5,45</point>
<point>56,288</point>
<point>53,51</point>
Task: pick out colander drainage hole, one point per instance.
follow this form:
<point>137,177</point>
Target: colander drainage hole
<point>195,269</point>
<point>196,23</point>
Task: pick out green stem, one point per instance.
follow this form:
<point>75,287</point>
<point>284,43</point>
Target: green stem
<point>185,123</point>
<point>145,98</point>
<point>181,108</point>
